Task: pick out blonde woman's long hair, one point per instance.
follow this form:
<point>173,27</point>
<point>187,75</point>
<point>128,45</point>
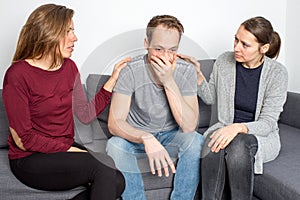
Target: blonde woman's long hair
<point>41,35</point>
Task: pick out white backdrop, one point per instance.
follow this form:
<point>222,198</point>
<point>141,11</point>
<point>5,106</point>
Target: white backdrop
<point>209,27</point>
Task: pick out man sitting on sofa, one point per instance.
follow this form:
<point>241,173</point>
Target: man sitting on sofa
<point>154,112</point>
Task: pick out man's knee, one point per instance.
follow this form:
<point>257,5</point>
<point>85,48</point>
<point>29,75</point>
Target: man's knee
<point>116,146</point>
<point>196,142</point>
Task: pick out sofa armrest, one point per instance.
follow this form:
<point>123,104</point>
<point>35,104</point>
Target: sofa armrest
<point>291,110</point>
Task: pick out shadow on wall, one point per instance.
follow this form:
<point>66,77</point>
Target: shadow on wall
<point>131,43</point>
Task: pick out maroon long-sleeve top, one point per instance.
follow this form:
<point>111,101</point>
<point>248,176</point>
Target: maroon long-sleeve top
<point>40,106</point>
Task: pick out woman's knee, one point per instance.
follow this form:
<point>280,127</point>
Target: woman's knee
<point>120,182</point>
<point>243,146</point>
<point>103,161</point>
<point>109,179</point>
<point>242,143</point>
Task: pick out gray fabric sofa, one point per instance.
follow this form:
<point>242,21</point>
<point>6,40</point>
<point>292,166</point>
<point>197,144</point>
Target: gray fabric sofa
<point>280,181</point>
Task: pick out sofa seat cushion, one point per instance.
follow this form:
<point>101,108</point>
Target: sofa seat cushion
<point>281,177</point>
<point>12,189</point>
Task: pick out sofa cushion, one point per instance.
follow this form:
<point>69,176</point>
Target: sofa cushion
<point>12,189</point>
<point>4,130</point>
<point>280,179</point>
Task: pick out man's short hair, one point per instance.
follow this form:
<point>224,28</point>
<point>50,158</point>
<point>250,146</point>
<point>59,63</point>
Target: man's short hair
<point>167,21</point>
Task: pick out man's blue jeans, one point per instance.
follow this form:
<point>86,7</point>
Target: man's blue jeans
<point>186,146</point>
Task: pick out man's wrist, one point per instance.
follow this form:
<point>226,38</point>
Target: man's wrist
<point>146,137</point>
<point>169,83</point>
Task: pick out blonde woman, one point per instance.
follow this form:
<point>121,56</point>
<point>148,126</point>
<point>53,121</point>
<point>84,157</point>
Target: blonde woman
<point>41,91</point>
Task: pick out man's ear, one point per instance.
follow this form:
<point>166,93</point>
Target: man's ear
<point>146,44</point>
<point>264,48</point>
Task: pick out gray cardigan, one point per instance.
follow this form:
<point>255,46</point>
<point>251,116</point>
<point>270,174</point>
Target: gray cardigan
<point>271,97</point>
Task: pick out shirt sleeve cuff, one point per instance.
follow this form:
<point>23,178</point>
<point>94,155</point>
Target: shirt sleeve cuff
<point>105,92</point>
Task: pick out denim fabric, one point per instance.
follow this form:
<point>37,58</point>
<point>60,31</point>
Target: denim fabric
<point>233,165</point>
<point>185,146</point>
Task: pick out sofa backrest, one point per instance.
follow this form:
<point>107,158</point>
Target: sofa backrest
<point>4,127</point>
<point>95,81</point>
<point>205,111</point>
<point>291,110</point>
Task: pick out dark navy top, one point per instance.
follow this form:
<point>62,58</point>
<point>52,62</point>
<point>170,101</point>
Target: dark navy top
<point>246,92</point>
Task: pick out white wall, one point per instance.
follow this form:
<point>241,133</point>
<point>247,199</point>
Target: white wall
<point>209,26</point>
<point>293,44</point>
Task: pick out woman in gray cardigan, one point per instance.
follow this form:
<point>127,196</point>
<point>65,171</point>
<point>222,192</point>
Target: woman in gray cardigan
<point>249,90</point>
